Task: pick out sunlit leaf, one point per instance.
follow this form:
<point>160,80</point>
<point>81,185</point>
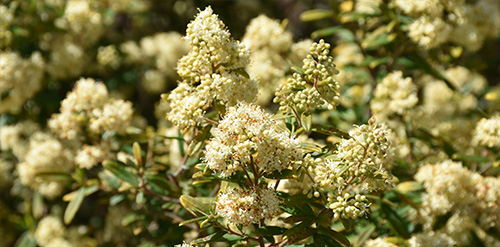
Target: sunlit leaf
<point>74,205</point>
<point>315,14</point>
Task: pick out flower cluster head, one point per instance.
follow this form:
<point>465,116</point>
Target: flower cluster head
<point>81,19</point>
<point>49,229</point>
<point>269,44</point>
<point>246,136</point>
<point>314,87</point>
<point>87,109</point>
<point>466,23</point>
<point>247,206</point>
<point>266,33</point>
<point>487,132</point>
<point>214,69</point>
<point>6,17</point>
<point>362,162</point>
<point>470,198</point>
<point>393,95</point>
<point>46,155</point>
<point>160,53</point>
<point>20,79</point>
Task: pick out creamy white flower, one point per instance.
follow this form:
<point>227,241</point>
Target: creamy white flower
<point>48,229</point>
<point>393,95</point>
<point>245,207</point>
<point>249,135</point>
<point>487,132</point>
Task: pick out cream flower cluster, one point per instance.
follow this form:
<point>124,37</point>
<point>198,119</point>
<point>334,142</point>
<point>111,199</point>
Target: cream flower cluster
<point>431,239</point>
<point>6,17</point>
<point>266,33</point>
<point>67,58</point>
<point>81,20</point>
<point>315,88</point>
<point>245,207</point>
<point>51,232</point>
<point>107,56</point>
<point>90,155</point>
<point>20,79</point>
<point>365,158</point>
<point>87,108</point>
<point>212,70</point>
<point>487,132</point>
<point>393,95</point>
<point>471,199</point>
<point>15,138</point>
<point>379,242</point>
<point>49,229</point>
<point>248,134</point>
<point>162,50</point>
<point>46,155</point>
<point>466,23</point>
<point>363,161</point>
<point>269,43</point>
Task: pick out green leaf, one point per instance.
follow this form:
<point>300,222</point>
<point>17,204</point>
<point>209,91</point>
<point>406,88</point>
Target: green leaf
<point>373,62</point>
<point>296,218</point>
<point>269,231</point>
<point>158,181</point>
<point>353,16</point>
<point>311,147</point>
<point>306,120</point>
<point>242,72</point>
<point>139,198</point>
<point>315,14</point>
<point>27,239</point>
<point>137,153</point>
<point>299,227</point>
<point>193,220</point>
<point>377,39</point>
<point>328,31</point>
<point>120,172</point>
<point>330,131</point>
<point>398,223</point>
<point>298,69</point>
<point>115,199</point>
<point>409,186</point>
<point>337,236</point>
<point>197,206</point>
<point>462,157</point>
<point>361,238</point>
<point>307,232</point>
<point>210,238</point>
<point>74,205</point>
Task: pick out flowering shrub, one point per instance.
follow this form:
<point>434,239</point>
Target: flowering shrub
<point>353,123</point>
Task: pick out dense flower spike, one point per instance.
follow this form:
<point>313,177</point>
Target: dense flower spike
<point>314,88</point>
<point>249,135</point>
<point>245,207</point>
<point>214,69</point>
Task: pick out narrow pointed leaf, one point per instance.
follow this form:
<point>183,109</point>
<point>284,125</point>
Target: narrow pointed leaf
<point>74,205</point>
<point>120,172</point>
